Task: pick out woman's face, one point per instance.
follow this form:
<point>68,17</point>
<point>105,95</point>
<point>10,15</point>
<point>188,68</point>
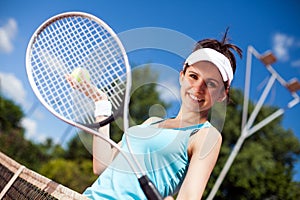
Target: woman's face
<point>201,86</point>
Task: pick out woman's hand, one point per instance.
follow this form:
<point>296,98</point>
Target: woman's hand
<point>86,88</point>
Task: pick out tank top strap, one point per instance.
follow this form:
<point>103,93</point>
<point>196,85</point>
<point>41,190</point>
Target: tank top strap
<point>194,128</point>
<point>200,126</point>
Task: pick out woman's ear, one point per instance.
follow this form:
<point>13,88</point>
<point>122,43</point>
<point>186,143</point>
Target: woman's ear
<point>181,76</point>
<point>223,98</point>
<point>223,95</point>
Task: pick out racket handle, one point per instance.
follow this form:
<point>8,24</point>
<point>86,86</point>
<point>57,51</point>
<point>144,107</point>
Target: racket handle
<point>149,189</point>
<point>99,124</point>
<point>110,119</point>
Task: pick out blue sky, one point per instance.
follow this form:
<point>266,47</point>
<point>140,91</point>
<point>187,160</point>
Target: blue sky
<point>266,25</point>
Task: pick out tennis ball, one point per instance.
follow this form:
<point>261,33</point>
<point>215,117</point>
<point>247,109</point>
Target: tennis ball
<point>81,74</point>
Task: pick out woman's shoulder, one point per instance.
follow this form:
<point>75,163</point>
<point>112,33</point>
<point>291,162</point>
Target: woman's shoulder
<point>205,140</point>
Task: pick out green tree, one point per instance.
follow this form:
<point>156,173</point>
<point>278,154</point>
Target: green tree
<point>79,147</point>
<point>10,115</point>
<point>12,140</point>
<point>264,167</point>
<point>73,168</point>
<point>144,94</point>
<point>50,149</point>
<point>74,174</point>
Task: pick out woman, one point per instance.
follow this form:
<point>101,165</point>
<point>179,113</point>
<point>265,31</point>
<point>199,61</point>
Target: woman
<point>178,154</point>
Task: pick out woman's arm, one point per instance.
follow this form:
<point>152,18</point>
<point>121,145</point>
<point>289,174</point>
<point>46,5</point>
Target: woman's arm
<point>103,152</point>
<point>204,148</point>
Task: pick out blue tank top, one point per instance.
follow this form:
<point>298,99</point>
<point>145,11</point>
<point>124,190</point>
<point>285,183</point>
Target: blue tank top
<point>161,152</point>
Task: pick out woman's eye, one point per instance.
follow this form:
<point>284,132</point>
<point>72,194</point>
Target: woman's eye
<point>211,84</point>
<point>193,76</point>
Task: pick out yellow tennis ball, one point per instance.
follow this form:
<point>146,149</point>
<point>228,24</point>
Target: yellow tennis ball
<point>81,74</point>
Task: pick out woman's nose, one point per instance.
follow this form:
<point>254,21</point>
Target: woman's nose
<point>200,85</point>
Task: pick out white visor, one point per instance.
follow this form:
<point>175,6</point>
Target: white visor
<point>215,57</point>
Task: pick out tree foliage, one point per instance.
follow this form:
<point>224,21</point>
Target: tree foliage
<point>11,115</point>
<point>76,174</point>
<point>144,94</point>
<point>12,141</point>
<point>263,169</point>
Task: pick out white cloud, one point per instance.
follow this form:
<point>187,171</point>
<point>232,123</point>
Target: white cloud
<point>7,34</point>
<point>30,126</point>
<point>13,88</point>
<point>281,45</point>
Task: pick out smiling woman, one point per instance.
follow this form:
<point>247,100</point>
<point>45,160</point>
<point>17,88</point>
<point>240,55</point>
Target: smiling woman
<point>202,78</point>
<point>178,154</point>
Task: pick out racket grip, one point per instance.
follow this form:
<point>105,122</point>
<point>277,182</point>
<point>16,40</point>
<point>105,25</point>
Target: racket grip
<point>149,189</point>
<point>99,124</point>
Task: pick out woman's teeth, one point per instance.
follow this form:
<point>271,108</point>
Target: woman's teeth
<point>195,98</point>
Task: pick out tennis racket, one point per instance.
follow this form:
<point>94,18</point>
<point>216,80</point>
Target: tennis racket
<point>73,40</point>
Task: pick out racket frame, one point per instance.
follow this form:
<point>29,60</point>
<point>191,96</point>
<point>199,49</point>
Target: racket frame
<point>126,62</point>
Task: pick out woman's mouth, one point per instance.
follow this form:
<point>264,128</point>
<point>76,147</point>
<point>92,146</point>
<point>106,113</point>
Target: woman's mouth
<point>195,98</point>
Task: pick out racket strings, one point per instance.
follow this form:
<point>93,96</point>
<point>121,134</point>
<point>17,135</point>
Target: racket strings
<point>51,81</point>
<point>77,42</point>
<point>107,56</point>
<point>50,59</point>
<point>113,73</point>
<point>82,106</point>
<point>43,84</point>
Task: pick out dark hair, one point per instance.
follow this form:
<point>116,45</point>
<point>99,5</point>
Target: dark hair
<point>223,47</point>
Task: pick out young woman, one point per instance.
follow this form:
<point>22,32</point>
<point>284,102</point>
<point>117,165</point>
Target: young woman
<point>178,154</point>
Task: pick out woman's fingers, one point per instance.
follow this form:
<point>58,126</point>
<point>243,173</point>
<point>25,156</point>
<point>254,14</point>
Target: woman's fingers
<point>86,88</point>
